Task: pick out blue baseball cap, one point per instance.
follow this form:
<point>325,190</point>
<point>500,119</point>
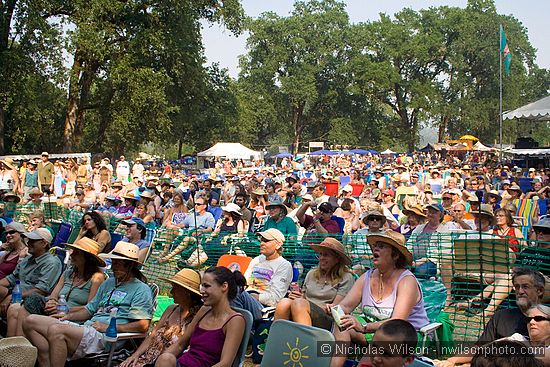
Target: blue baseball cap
<point>134,220</point>
<point>437,207</point>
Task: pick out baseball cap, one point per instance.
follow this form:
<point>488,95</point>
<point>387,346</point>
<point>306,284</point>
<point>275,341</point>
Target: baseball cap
<point>326,207</point>
<point>16,226</point>
<point>273,234</point>
<point>133,221</point>
<point>39,234</point>
<point>437,207</point>
<point>347,188</point>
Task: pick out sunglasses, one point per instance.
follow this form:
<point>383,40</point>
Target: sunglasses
<point>372,219</point>
<point>11,232</point>
<point>537,318</point>
<point>447,198</point>
<point>537,231</point>
<point>263,239</point>
<point>199,204</point>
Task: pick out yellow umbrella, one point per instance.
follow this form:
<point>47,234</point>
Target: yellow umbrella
<point>468,137</point>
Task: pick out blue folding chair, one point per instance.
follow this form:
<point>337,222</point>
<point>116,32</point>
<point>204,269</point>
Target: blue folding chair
<point>62,235</point>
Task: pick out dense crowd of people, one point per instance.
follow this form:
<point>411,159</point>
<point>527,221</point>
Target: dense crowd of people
<point>378,225</point>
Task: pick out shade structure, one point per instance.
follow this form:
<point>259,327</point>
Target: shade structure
<point>387,151</point>
<point>468,137</point>
<point>534,111</point>
<point>283,155</point>
<point>231,151</point>
<point>323,152</point>
<point>481,148</point>
<point>360,151</point>
<point>346,152</point>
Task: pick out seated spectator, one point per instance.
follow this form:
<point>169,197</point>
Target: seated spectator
<point>458,220</point>
<point>279,220</point>
<point>14,248</point>
<point>505,229</point>
<point>175,216</point>
<point>268,275</point>
<point>394,345</point>
<point>37,220</point>
<point>37,273</point>
<point>93,226</point>
<point>174,320</point>
<point>58,340</point>
<point>198,224</point>
<point>127,209</point>
<point>328,283</point>
<point>214,335</point>
<point>135,233</point>
<point>142,213</point>
<point>529,287</point>
<point>387,291</point>
<point>374,221</point>
<point>79,284</point>
<point>321,221</point>
<point>415,216</point>
<point>231,221</point>
<point>349,212</point>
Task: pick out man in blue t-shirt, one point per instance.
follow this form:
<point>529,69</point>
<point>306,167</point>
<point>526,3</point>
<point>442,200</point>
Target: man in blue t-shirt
<point>58,340</point>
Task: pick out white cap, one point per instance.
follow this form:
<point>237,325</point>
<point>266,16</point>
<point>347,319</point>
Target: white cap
<point>347,188</point>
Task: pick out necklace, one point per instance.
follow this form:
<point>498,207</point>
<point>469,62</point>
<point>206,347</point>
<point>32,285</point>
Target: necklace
<point>381,284</point>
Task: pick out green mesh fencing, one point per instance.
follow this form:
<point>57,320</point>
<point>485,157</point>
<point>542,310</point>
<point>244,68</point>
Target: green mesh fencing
<point>464,274</point>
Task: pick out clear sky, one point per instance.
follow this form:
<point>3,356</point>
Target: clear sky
<point>224,48</point>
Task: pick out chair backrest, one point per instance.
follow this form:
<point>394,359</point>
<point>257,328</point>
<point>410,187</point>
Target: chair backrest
<point>234,262</point>
<point>341,222</point>
<point>150,235</point>
<point>63,234</point>
<point>241,352</point>
<point>115,237</point>
<point>290,343</point>
<point>155,290</point>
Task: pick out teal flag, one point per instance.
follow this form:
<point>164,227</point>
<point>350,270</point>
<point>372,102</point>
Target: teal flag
<point>505,51</point>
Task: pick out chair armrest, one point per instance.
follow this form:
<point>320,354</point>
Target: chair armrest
<point>126,336</point>
<point>430,327</point>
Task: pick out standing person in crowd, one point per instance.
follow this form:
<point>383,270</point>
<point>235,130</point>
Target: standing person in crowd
<point>45,173</point>
<point>214,335</point>
<point>58,178</point>
<point>83,173</point>
<point>138,169</point>
<point>174,320</point>
<point>328,283</point>
<point>123,170</point>
<point>93,226</point>
<point>29,179</point>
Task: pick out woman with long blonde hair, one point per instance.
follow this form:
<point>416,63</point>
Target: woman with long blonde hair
<point>325,284</point>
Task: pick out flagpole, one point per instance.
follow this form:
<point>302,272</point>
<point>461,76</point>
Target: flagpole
<point>500,90</point>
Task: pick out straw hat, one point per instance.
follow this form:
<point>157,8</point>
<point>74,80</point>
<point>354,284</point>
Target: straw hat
<point>188,279</point>
<point>495,194</point>
<point>232,208</point>
<point>394,239</point>
<point>415,209</point>
<point>123,251</point>
<point>485,209</point>
<point>514,187</point>
<point>334,245</point>
<point>17,351</point>
<point>12,194</point>
<point>117,184</point>
<point>35,191</point>
<point>9,163</point>
<point>146,194</point>
<point>90,246</point>
<point>259,191</point>
<point>129,195</point>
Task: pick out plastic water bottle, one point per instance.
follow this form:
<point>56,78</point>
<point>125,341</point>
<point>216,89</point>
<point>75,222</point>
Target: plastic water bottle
<point>16,296</point>
<point>110,333</point>
<point>62,307</point>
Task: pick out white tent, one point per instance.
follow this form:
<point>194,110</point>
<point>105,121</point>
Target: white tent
<point>535,111</point>
<point>230,151</point>
<point>387,151</point>
<point>481,148</point>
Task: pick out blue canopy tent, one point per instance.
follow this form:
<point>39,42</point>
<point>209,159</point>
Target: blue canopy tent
<point>359,151</point>
<point>346,152</point>
<point>372,151</point>
<point>283,155</point>
<point>323,152</point>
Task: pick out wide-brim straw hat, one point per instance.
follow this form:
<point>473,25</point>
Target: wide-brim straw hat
<point>495,194</point>
<point>35,191</point>
<point>259,192</point>
<point>17,351</point>
<point>415,209</point>
<point>12,194</point>
<point>8,162</point>
<point>188,279</point>
<point>146,194</point>
<point>486,210</point>
<point>514,187</point>
<point>123,251</point>
<point>334,245</point>
<point>393,239</point>
<point>129,195</point>
<point>90,246</point>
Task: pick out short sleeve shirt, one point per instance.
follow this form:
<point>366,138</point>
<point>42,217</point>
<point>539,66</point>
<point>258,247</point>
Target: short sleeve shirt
<point>133,300</point>
<point>321,293</point>
<point>45,172</point>
<point>41,272</point>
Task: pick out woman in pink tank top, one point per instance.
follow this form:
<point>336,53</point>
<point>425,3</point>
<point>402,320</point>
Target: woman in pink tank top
<point>214,335</point>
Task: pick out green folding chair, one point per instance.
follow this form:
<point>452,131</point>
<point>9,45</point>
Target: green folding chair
<point>293,344</point>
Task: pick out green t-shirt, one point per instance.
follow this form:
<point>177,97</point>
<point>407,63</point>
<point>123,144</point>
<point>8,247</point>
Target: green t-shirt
<point>286,226</point>
<point>133,300</point>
